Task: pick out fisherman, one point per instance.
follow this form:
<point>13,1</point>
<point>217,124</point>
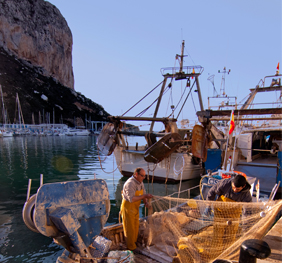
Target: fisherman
<point>133,192</point>
<point>226,217</point>
<point>234,189</point>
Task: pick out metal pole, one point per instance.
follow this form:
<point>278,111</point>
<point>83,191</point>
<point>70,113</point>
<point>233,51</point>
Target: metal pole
<point>28,189</point>
<point>199,93</point>
<point>41,179</point>
<point>158,103</point>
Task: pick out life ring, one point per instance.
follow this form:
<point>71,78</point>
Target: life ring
<point>241,173</point>
<point>229,174</point>
<point>27,213</point>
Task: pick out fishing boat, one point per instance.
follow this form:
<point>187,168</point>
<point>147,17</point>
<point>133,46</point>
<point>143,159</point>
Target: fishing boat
<point>165,154</point>
<point>255,145</point>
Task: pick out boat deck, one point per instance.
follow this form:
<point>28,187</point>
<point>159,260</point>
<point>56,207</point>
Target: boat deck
<point>138,258</point>
<point>274,240</point>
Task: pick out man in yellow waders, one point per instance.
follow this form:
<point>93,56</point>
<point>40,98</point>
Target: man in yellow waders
<point>132,194</point>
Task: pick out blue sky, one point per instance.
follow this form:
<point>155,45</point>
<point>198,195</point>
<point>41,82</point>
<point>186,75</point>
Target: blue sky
<point>120,46</point>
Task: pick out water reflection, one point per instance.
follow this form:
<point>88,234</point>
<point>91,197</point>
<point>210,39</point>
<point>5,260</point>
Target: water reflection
<point>58,158</point>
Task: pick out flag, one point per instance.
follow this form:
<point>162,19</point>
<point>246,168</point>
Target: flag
<point>232,124</point>
<point>277,72</point>
<point>193,72</point>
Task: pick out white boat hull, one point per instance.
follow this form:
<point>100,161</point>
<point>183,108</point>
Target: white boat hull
<point>7,134</point>
<point>169,169</point>
<point>77,132</point>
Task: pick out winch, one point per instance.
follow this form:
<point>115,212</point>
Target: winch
<point>73,213</point>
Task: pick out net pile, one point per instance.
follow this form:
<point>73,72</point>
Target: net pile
<point>191,230</point>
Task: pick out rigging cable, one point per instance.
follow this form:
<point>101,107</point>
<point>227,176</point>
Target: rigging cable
<point>142,112</point>
<point>102,166</point>
<point>142,98</point>
<point>170,84</point>
<point>178,104</point>
<point>185,100</point>
<point>193,103</point>
<point>190,56</point>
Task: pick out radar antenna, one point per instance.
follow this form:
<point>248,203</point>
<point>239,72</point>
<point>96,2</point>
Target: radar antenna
<point>222,87</point>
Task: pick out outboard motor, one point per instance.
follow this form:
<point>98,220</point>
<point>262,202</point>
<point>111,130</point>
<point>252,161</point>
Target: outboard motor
<point>72,213</point>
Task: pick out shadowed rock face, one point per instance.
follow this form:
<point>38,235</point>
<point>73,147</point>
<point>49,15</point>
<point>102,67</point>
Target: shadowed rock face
<point>42,99</point>
<point>35,30</point>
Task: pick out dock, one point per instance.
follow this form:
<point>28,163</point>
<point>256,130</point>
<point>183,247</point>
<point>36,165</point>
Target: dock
<point>274,240</point>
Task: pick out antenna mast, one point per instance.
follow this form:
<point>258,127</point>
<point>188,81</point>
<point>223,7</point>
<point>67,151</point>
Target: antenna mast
<point>222,87</point>
<point>181,56</point>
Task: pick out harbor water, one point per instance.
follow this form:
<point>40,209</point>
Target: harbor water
<point>58,158</point>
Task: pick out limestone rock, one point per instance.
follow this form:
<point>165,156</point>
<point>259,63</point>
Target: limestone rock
<point>35,31</point>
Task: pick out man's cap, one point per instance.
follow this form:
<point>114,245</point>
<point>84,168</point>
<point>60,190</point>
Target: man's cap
<point>239,180</point>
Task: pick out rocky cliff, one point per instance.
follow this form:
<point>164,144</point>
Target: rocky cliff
<point>35,30</point>
<point>36,64</point>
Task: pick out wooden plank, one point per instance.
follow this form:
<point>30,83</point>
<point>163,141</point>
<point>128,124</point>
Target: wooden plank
<point>274,240</point>
<point>156,255</point>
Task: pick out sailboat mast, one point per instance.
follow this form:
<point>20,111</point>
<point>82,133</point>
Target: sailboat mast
<point>3,111</point>
<point>21,118</point>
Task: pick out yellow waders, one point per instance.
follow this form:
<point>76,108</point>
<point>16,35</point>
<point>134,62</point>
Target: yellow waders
<point>130,220</point>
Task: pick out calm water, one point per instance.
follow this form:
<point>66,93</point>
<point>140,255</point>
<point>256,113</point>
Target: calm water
<point>59,159</point>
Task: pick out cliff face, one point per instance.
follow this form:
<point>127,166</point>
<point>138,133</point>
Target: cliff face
<point>35,30</point>
<point>36,65</point>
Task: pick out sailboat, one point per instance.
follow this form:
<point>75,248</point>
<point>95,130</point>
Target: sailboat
<point>20,126</point>
<point>166,154</point>
<point>4,131</point>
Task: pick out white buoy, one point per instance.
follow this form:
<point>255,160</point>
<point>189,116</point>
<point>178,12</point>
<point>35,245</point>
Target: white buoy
<point>262,214</point>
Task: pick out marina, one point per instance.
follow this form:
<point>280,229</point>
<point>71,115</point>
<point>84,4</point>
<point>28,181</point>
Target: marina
<point>82,214</point>
<point>77,159</point>
<point>93,170</point>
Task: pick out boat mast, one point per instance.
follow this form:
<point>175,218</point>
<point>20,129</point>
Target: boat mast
<point>164,83</point>
<point>21,118</point>
<point>181,56</point>
<point>196,77</point>
<point>3,111</point>
<point>158,103</point>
